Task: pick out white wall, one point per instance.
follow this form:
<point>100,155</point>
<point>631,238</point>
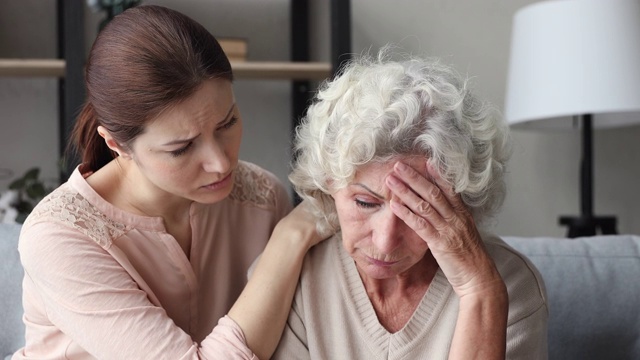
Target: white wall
<point>28,106</point>
<point>544,169</point>
<point>472,35</point>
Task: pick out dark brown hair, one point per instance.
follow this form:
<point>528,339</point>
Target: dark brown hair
<point>145,60</point>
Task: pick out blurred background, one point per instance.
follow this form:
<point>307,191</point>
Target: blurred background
<point>474,36</point>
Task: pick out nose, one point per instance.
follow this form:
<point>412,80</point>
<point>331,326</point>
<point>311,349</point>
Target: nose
<point>389,232</point>
<point>215,158</point>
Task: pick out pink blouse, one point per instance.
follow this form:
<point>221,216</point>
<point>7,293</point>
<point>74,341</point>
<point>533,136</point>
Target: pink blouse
<point>104,283</point>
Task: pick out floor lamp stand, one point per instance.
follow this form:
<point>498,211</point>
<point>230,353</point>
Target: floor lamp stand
<point>587,224</point>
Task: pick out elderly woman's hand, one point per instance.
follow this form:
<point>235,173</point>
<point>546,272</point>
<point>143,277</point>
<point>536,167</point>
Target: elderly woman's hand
<point>439,216</point>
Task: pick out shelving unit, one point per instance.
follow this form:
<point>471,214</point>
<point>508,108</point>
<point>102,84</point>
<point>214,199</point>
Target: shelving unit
<point>32,67</point>
<point>68,68</point>
<point>241,70</point>
<point>340,33</point>
<point>71,92</point>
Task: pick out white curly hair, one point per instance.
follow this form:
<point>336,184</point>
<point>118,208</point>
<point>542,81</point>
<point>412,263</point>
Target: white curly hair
<point>377,109</point>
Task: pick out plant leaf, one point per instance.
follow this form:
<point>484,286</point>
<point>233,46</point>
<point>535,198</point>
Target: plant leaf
<point>17,184</point>
<point>36,190</point>
<point>21,218</point>
<point>32,174</point>
<point>24,207</point>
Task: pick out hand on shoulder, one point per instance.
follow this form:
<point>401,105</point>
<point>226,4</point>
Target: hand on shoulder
<point>299,227</point>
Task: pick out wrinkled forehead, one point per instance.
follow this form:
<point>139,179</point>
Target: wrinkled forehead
<point>374,172</point>
<point>377,171</point>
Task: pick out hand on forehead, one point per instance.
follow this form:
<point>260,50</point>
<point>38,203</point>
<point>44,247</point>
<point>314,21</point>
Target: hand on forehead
<point>374,174</point>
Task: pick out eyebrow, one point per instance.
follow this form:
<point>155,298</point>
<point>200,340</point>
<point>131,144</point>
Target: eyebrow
<point>182,141</point>
<point>369,190</point>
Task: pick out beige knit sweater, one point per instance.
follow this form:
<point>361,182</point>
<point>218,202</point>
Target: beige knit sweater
<point>332,317</point>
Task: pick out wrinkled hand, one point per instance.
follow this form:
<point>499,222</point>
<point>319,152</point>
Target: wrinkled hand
<point>300,225</point>
<point>440,217</point>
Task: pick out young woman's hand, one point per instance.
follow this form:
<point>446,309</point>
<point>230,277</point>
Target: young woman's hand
<point>299,226</point>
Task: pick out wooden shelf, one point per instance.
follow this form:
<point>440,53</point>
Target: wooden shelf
<point>242,70</point>
<point>281,70</point>
<point>32,67</point>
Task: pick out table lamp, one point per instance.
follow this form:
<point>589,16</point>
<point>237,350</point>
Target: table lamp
<point>576,64</point>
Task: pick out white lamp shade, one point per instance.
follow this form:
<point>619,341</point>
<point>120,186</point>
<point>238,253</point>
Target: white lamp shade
<point>575,57</point>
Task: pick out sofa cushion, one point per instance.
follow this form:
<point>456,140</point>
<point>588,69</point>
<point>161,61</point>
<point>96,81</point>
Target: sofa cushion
<point>11,325</point>
<point>593,293</point>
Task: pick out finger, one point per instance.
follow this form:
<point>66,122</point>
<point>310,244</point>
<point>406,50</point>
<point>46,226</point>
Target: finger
<point>447,190</point>
<point>413,202</point>
<point>419,224</point>
<point>428,190</point>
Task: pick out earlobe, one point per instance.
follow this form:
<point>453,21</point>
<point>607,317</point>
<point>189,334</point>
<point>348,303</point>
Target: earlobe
<point>111,143</point>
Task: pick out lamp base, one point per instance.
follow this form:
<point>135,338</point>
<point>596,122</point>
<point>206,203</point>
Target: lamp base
<point>588,226</point>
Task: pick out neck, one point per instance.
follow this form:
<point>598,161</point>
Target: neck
<point>122,184</point>
<point>395,300</point>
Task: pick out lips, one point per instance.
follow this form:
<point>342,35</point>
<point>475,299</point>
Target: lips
<point>381,262</point>
<point>219,184</point>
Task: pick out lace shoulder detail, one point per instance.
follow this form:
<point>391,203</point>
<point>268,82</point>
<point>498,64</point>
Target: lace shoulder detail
<point>253,185</point>
<point>67,207</point>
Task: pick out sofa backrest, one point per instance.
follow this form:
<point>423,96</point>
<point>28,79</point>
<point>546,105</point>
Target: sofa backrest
<point>11,325</point>
<point>593,292</point>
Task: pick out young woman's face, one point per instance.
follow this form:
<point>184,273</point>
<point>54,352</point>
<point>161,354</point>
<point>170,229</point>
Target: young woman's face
<point>380,243</point>
<point>191,150</point>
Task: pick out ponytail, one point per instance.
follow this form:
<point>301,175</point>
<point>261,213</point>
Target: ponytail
<point>88,144</point>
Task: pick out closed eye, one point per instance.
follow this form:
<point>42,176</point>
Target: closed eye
<point>364,204</point>
<point>182,150</point>
<point>229,124</point>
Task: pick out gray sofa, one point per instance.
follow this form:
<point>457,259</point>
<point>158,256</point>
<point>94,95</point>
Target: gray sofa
<point>11,326</point>
<point>594,295</point>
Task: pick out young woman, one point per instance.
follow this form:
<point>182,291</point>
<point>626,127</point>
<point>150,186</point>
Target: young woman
<point>144,252</point>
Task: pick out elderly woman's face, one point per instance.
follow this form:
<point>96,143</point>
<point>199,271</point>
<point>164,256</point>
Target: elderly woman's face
<point>381,244</point>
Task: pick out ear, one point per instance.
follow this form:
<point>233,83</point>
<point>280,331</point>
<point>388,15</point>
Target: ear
<point>111,143</point>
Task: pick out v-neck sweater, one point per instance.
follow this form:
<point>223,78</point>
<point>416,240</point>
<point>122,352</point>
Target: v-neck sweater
<point>104,283</point>
<point>332,316</point>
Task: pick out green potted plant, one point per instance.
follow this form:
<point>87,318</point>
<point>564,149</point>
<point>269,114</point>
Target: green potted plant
<point>29,189</point>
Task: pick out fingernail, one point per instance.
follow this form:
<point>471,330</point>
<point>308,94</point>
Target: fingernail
<point>431,169</point>
<point>392,181</point>
<point>401,167</point>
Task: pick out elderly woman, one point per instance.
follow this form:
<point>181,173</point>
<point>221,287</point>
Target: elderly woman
<point>405,163</point>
